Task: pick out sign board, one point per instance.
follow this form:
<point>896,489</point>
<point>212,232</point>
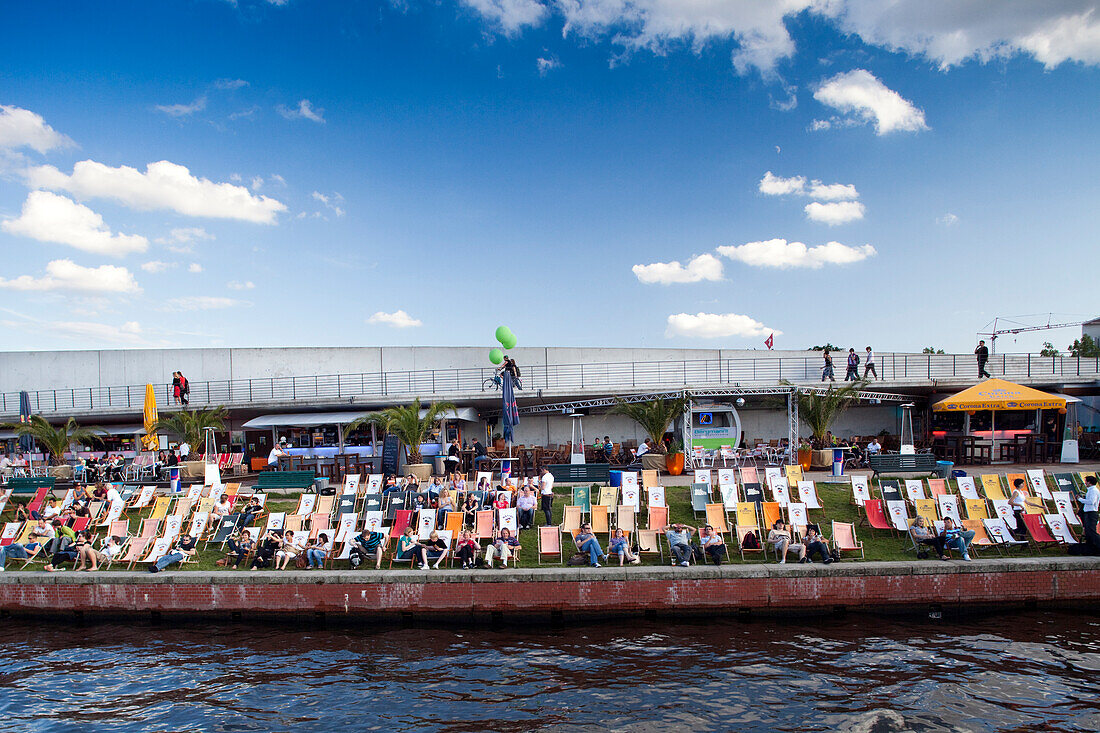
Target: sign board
<point>391,454</point>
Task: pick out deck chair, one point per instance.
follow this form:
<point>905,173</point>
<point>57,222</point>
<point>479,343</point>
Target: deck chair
<point>781,491</point>
<point>572,519</point>
<point>807,494</point>
<point>306,503</point>
<point>748,475</point>
<point>700,497</point>
<point>9,533</point>
<point>582,498</point>
<point>981,538</point>
<point>319,522</point>
<point>149,527</point>
<point>650,477</point>
<point>926,508</point>
<point>793,474</point>
<point>798,516</point>
<point>967,489</point>
<point>112,514</point>
<point>625,518</point>
<point>1038,482</point>
<point>745,521</point>
<point>452,523</point>
<point>890,490</point>
<point>425,523</point>
<point>143,497</point>
<point>373,521</point>
<point>136,550</point>
<point>771,511</point>
<point>345,528</point>
<point>631,498</point>
<point>372,503</point>
<point>649,542</point>
<point>158,549</point>
<point>351,483</point>
<point>729,497</point>
<point>844,538</point>
<point>753,493</point>
<point>374,483</point>
<point>81,523</point>
<point>656,496</point>
<point>771,473</point>
<point>550,543</point>
<point>506,519</point>
<point>977,509</point>
<point>194,492</point>
<point>1002,509</point>
<point>275,520</point>
<point>898,514</point>
<point>703,476</point>
<point>198,524</point>
<point>991,485</point>
<point>937,487</point>
<point>400,522</point>
<point>658,518</point>
<point>874,514</point>
<point>1038,531</point>
<point>182,508</point>
<point>609,495</point>
<point>1059,527</point>
<point>225,529</point>
<point>483,524</point>
<point>861,490</point>
<point>324,505</point>
<point>294,523</point>
<point>346,505</point>
<point>716,517</point>
<point>727,477</point>
<point>38,500</point>
<point>948,505</point>
<point>1000,534</point>
<point>601,520</point>
<point>1063,500</point>
<point>95,508</point>
<point>914,490</point>
<point>1010,481</point>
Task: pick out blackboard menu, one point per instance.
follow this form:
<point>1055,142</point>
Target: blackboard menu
<point>391,454</point>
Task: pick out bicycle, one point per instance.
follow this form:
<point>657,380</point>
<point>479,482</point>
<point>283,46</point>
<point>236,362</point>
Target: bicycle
<point>492,383</point>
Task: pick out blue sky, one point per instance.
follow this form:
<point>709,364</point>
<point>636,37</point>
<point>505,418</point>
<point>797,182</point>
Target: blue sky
<point>588,172</point>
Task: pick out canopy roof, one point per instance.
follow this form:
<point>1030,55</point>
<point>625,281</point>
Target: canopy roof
<point>311,419</point>
<point>998,394</point>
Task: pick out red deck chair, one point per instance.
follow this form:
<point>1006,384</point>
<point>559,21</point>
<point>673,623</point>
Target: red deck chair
<point>1038,531</point>
<point>81,523</point>
<point>39,499</point>
<point>876,518</point>
<point>401,519</point>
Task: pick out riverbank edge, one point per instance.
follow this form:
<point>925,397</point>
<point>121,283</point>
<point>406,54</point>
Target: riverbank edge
<point>560,593</point>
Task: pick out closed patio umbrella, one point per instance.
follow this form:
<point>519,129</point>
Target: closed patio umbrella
<point>149,441</point>
<point>26,442</point>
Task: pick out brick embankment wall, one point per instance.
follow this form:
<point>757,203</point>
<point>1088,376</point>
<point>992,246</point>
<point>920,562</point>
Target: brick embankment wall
<point>890,587</point>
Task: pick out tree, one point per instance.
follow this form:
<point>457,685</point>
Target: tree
<point>1048,350</point>
<point>56,441</point>
<point>190,425</point>
<point>819,409</point>
<point>1085,347</point>
<point>654,416</point>
<point>931,350</point>
<point>405,422</point>
<point>827,347</point>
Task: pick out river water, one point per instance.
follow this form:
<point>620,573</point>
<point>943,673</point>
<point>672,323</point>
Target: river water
<point>1016,672</point>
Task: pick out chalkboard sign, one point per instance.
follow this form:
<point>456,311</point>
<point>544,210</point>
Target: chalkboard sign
<point>391,454</point>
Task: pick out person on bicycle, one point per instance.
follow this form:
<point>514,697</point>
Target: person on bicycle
<point>509,365</point>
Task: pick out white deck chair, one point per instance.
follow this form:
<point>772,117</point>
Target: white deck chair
<point>772,472</point>
<point>807,494</point>
<point>1064,502</point>
<point>5,495</point>
<point>631,497</point>
<point>10,532</point>
<point>487,475</point>
<point>506,519</point>
<point>727,477</point>
<point>373,521</point>
<point>144,497</point>
<point>112,514</point>
<point>861,489</point>
<point>703,476</point>
<point>1004,511</point>
<point>159,549</point>
<point>198,524</point>
<point>173,524</point>
<point>425,523</point>
<point>1060,528</point>
<point>797,514</point>
<point>374,483</point>
<point>914,489</point>
<point>345,530</point>
<point>351,483</point>
<point>630,480</point>
<point>949,507</point>
<point>275,520</point>
<point>999,532</point>
<point>194,492</point>
<point>729,497</point>
<point>781,491</point>
<point>65,500</point>
<point>966,487</point>
<point>898,514</point>
<point>306,502</point>
<point>656,495</point>
<point>1037,478</point>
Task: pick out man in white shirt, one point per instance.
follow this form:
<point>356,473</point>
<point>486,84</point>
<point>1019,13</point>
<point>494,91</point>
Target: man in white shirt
<point>546,481</point>
<point>644,448</point>
<point>276,453</point>
<point>185,450</point>
<point>874,447</point>
<point>1090,510</point>
<point>869,364</point>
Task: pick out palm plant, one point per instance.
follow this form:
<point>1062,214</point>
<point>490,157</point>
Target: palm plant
<point>189,425</point>
<point>820,409</point>
<point>405,422</point>
<point>56,441</point>
<point>654,416</point>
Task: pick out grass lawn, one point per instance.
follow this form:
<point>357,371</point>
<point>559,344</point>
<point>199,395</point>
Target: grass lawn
<point>878,544</point>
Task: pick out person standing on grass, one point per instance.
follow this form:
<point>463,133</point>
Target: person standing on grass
<point>546,482</point>
<point>982,355</point>
<point>1018,502</point>
<point>869,364</point>
<point>1090,510</point>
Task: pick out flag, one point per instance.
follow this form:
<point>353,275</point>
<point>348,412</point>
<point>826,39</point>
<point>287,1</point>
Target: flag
<point>770,341</point>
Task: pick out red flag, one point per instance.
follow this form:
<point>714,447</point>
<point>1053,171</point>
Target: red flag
<point>770,341</point>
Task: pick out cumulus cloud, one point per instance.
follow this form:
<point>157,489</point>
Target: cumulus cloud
<point>715,325</point>
<point>21,128</point>
<point>237,285</point>
<point>782,254</point>
<point>183,110</point>
<point>304,111</point>
<point>397,319</point>
<point>837,212</point>
<point>510,15</point>
<point>698,268</point>
<point>860,95</point>
<point>68,276</point>
<point>49,217</point>
<point>156,267</point>
<point>163,185</point>
<point>200,303</point>
<point>773,185</point>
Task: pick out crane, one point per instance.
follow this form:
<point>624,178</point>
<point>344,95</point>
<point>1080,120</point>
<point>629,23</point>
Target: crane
<point>994,332</point>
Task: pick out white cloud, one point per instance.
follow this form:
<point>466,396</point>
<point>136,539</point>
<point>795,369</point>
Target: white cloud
<point>950,32</point>
<point>276,178</point>
<point>200,303</point>
<point>838,212</point>
<point>163,185</point>
<point>947,219</point>
<point>859,94</point>
<point>185,235</point>
<point>183,110</point>
<point>21,128</point>
<point>783,254</point>
<point>68,276</point>
<point>230,84</point>
<point>157,266</point>
<point>397,319</point>
<point>700,267</point>
<point>773,185</point>
<point>236,285</point>
<point>716,325</point>
<point>510,15</point>
<point>194,267</point>
<point>304,111</point>
<point>545,66</point>
<point>330,202</point>
<point>129,332</point>
<point>49,217</point>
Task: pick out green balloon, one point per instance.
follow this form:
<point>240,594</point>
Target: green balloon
<point>496,356</point>
<point>502,333</point>
<point>511,342</point>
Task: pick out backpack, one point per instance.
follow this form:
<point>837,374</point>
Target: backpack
<point>751,542</point>
<point>577,558</point>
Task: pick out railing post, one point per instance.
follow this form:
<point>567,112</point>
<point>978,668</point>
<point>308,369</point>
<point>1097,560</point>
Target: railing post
<point>250,389</point>
<point>781,368</point>
<point>929,366</point>
<point>1029,365</point>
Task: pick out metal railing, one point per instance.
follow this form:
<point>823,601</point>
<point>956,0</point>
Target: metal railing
<point>904,368</point>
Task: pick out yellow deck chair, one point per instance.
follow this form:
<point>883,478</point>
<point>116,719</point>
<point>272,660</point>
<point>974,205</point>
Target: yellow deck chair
<point>453,523</point>
<point>601,519</point>
<point>160,507</point>
<point>716,517</point>
<point>650,478</point>
<point>572,519</point>
<point>926,508</point>
<point>25,535</point>
<point>609,496</point>
<point>772,513</point>
<point>625,518</point>
<point>991,485</point>
<point>207,504</point>
<point>977,510</point>
<point>649,543</point>
<point>745,521</point>
<point>794,474</point>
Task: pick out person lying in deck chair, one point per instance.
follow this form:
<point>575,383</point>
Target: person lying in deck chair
<point>504,546</point>
<point>365,545</point>
<point>240,544</point>
<point>713,545</point>
<point>89,556</point>
<point>679,543</point>
<point>587,542</point>
<point>923,535</point>
<point>467,549</point>
<point>815,544</point>
<point>621,547</point>
<point>780,538</point>
<point>957,538</point>
<point>185,548</point>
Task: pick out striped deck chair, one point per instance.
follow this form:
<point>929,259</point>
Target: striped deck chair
<point>650,477</point>
<point>948,505</point>
<point>926,508</point>
<point>373,522</point>
<point>658,518</point>
<point>914,490</point>
<point>977,509</point>
<point>506,519</point>
<point>748,475</point>
<point>136,549</point>
<point>703,476</point>
<point>991,485</point>
<point>890,490</point>
<point>1000,534</point>
<point>9,533</point>
<point>967,490</point>
<point>844,538</point>
<point>649,542</point>
<point>937,487</point>
<point>861,490</point>
<point>319,522</point>
<point>582,498</point>
<point>793,474</point>
<point>306,502</point>
<point>571,520</point>
<point>781,491</point>
<point>753,493</point>
<point>425,523</point>
<point>700,497</point>
<point>981,539</point>
<point>1063,500</point>
<point>656,496</point>
<point>807,494</point>
<point>601,521</point>
<point>745,521</point>
<point>483,525</point>
<point>1038,481</point>
<point>716,517</point>
<point>771,511</point>
<point>1059,527</point>
<point>549,540</point>
<point>625,518</point>
<point>173,525</point>
<point>1037,530</point>
<point>874,514</point>
<point>798,516</point>
<point>609,495</point>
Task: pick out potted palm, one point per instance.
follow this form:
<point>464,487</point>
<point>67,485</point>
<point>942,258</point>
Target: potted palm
<point>674,461</point>
<point>820,409</point>
<point>406,423</point>
<point>655,417</point>
<point>57,441</point>
<point>190,427</point>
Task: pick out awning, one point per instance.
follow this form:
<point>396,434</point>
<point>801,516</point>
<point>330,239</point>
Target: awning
<point>305,419</point>
<point>998,394</point>
<point>120,430</point>
<point>466,414</point>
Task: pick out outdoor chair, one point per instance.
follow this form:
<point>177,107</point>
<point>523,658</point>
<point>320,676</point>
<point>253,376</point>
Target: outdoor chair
<point>745,521</point>
<point>572,518</point>
<point>657,518</point>
<point>549,541</point>
<point>649,542</point>
<point>875,516</point>
<point>807,494</point>
<point>844,538</point>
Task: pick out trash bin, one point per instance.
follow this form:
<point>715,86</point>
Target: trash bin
<point>943,468</point>
<point>439,467</point>
<point>616,478</point>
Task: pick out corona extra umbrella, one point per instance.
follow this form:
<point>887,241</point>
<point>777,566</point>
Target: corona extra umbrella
<point>149,441</point>
<point>999,394</point>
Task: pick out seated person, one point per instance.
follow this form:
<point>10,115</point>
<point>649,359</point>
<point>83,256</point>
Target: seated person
<point>40,536</point>
<point>608,447</point>
<point>269,545</point>
<point>289,550</point>
<point>470,509</point>
<point>467,549</point>
<point>317,551</point>
<point>956,538</point>
<point>435,487</point>
<point>21,514</point>
<point>713,545</point>
<point>368,544</point>
<point>504,546</point>
<point>240,544</point>
<point>445,504</point>
<point>185,548</point>
<point>408,548</point>
<point>780,538</point>
<point>587,542</point>
<point>620,545</point>
<point>503,500</point>
<point>90,558</point>
<point>221,508</point>
<point>924,535</point>
<point>436,548</point>
<point>874,447</point>
<point>679,542</point>
<point>525,508</point>
<point>251,510</point>
<point>816,544</point>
